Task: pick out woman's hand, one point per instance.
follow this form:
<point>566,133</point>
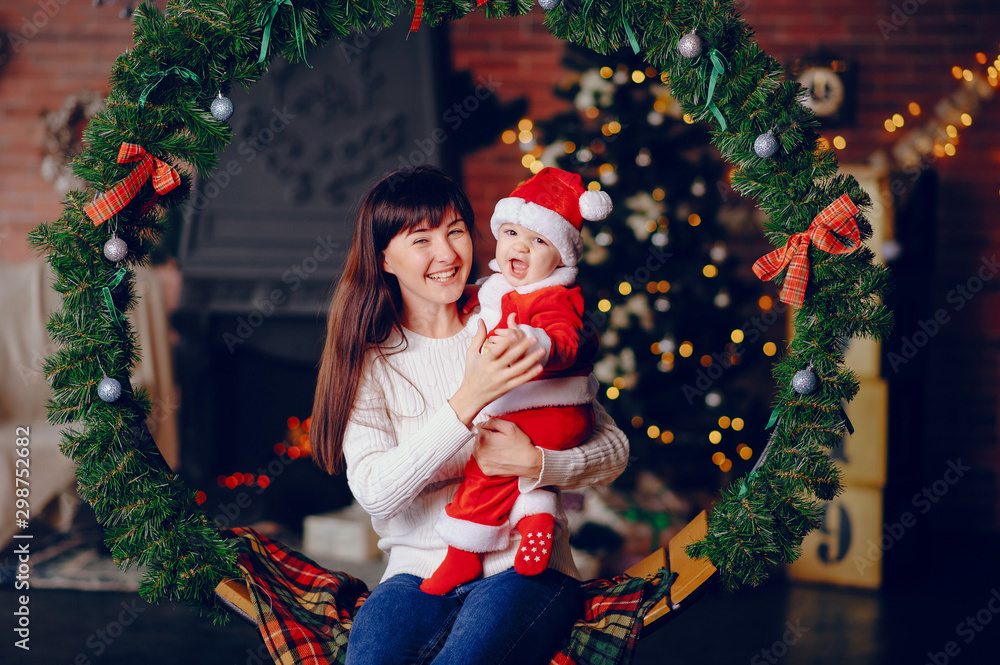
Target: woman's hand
<point>503,449</point>
<point>494,369</point>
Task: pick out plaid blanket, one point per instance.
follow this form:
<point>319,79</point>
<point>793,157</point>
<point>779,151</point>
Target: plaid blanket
<point>304,612</point>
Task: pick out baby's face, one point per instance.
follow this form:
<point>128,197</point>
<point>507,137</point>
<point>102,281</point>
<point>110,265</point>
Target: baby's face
<point>525,257</point>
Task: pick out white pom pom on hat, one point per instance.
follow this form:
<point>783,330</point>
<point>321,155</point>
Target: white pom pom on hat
<point>595,205</point>
<point>553,203</point>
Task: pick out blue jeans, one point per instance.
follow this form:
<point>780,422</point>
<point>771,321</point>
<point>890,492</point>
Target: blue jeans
<point>505,618</point>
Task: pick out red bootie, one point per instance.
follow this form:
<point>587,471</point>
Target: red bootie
<point>536,543</point>
<point>457,568</point>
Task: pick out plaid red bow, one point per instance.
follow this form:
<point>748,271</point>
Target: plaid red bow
<point>826,231</point>
<point>165,178</point>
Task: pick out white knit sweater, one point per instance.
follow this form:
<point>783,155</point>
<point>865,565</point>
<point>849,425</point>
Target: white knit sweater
<point>405,451</point>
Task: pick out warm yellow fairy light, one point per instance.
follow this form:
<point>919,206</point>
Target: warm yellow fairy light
<point>949,150</point>
<point>638,77</point>
<point>536,166</point>
<point>746,452</point>
<point>694,219</point>
<point>653,432</point>
<point>509,137</point>
<point>651,288</point>
<point>706,361</point>
<point>525,136</point>
<point>726,465</point>
<point>666,436</point>
<point>737,424</point>
<point>952,131</point>
<point>765,302</point>
<point>604,305</point>
<point>612,393</point>
<point>594,186</point>
<point>939,150</point>
<point>914,108</point>
<point>663,286</point>
<point>525,125</point>
<point>897,120</point>
<point>607,72</point>
<point>839,142</point>
<point>724,422</point>
<point>615,126</point>
<point>569,147</point>
<point>658,194</point>
<point>592,112</point>
<point>770,349</point>
<point>527,161</point>
<point>718,457</point>
<point>618,383</point>
<point>650,226</point>
<point>715,436</point>
<point>688,118</point>
<point>710,271</point>
<point>956,71</point>
<point>967,75</point>
<point>685,349</point>
<point>651,72</point>
<point>992,71</point>
<point>966,119</point>
<point>606,130</point>
<point>889,126</point>
<point>636,421</point>
<point>624,288</point>
<point>981,58</point>
<point>736,335</point>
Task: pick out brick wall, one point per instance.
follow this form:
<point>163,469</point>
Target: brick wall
<point>56,48</point>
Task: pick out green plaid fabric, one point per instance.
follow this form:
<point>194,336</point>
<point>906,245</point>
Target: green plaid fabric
<point>304,612</point>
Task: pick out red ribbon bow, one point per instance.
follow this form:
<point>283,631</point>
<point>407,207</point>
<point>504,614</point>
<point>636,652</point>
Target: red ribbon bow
<point>830,231</point>
<point>165,178</point>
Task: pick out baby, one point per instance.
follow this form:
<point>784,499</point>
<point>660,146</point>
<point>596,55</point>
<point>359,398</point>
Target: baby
<point>538,245</point>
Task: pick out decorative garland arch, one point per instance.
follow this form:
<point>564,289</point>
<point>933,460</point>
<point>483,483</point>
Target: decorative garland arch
<point>183,55</point>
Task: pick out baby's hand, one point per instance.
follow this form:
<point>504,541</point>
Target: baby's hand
<point>508,336</point>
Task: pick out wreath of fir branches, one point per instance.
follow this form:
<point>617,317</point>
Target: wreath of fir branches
<point>151,518</point>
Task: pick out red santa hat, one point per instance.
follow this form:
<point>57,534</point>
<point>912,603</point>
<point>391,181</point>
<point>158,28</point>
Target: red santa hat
<point>553,203</point>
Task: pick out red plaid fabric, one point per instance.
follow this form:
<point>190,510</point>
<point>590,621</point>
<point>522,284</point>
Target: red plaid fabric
<point>834,231</point>
<point>165,178</point>
<point>418,12</point>
<point>304,612</point>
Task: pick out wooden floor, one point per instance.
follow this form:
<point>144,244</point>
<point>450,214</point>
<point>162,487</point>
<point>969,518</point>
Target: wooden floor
<point>945,612</point>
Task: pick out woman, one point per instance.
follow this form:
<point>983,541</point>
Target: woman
<point>398,390</point>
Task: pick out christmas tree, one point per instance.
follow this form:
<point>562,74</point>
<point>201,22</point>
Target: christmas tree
<point>683,364</point>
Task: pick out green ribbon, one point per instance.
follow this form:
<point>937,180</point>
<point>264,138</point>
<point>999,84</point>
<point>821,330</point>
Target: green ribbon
<point>773,420</point>
<point>265,19</point>
<point>745,485</point>
<point>158,76</point>
<point>109,301</point>
<point>718,68</point>
<point>628,31</point>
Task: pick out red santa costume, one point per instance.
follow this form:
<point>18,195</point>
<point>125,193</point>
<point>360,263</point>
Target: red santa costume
<point>554,408</point>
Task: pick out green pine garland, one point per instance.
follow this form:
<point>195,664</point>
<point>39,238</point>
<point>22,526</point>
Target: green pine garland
<point>152,519</point>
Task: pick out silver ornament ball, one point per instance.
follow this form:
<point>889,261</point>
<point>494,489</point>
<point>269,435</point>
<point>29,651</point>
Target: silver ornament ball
<point>115,249</point>
<point>222,108</point>
<point>804,382</point>
<point>548,5</point>
<point>765,145</point>
<point>109,389</point>
<point>690,45</point>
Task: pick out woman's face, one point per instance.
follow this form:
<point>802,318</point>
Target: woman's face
<point>432,265</point>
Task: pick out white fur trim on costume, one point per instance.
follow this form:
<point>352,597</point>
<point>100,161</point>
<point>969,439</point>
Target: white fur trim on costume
<point>472,537</point>
<point>538,502</point>
<point>540,219</point>
<point>595,205</point>
<point>490,293</point>
<point>563,391</point>
<point>543,339</point>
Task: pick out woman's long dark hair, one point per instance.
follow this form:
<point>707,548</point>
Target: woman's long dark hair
<point>367,304</point>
